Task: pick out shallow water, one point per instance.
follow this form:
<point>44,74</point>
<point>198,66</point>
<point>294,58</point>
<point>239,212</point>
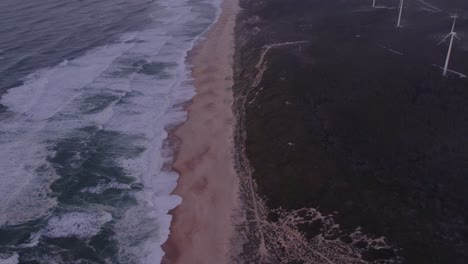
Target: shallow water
<point>88,91</point>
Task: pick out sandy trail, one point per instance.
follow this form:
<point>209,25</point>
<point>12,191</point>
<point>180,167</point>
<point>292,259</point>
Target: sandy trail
<point>202,225</point>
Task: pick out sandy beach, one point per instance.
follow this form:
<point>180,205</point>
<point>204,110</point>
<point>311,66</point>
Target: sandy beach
<point>202,223</point>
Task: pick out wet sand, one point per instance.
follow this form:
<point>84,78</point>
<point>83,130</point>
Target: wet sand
<point>202,225</point>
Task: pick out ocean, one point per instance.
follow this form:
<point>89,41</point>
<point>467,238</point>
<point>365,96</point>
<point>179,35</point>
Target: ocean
<point>88,90</point>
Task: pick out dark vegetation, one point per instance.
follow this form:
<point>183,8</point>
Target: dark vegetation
<point>343,124</point>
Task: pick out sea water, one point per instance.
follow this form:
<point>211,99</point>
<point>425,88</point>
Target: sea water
<point>88,91</point>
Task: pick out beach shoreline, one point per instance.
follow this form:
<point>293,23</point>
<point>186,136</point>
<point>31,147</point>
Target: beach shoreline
<point>202,225</point>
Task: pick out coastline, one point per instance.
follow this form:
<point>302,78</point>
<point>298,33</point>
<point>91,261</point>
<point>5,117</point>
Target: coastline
<point>202,224</point>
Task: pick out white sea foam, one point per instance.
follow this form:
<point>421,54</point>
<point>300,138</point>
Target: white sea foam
<point>9,259</point>
<point>54,102</point>
<point>78,224</point>
<point>44,96</point>
<point>100,188</point>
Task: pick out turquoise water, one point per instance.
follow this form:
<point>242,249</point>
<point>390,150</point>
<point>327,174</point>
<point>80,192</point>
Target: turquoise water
<point>89,89</point>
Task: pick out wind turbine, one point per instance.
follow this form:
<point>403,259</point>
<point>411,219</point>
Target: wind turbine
<point>399,15</point>
<point>451,35</point>
<point>373,3</point>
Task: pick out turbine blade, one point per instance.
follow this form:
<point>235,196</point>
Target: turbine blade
<point>454,21</point>
<point>443,40</point>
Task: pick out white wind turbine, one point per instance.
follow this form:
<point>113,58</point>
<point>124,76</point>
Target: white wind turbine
<point>373,3</point>
<point>451,35</point>
<point>401,11</point>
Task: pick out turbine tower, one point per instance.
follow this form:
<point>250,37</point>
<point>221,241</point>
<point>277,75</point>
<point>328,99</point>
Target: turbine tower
<point>399,15</point>
<point>373,3</point>
<point>451,35</point>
